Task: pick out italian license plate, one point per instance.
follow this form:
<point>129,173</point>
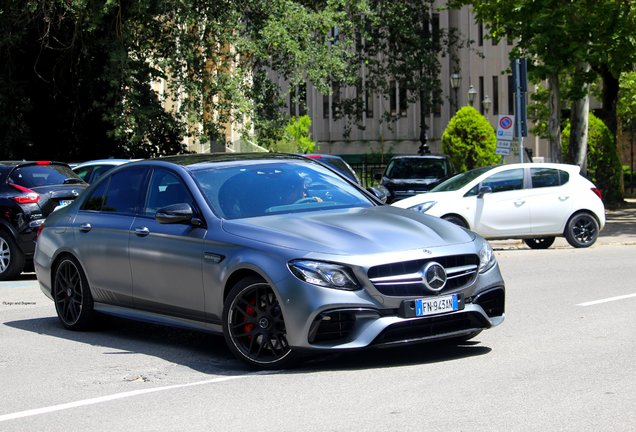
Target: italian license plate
<point>437,305</point>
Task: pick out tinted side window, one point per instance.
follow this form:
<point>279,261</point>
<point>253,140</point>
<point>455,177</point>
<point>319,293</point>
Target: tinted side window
<point>124,192</point>
<point>96,199</point>
<point>547,177</point>
<point>166,188</point>
<point>505,180</point>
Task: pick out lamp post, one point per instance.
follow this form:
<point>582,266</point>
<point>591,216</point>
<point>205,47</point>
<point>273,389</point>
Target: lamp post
<point>455,82</point>
<point>471,94</point>
<point>486,103</point>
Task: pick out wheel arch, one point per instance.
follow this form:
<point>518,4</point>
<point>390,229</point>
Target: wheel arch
<point>238,275</point>
<point>457,216</point>
<point>578,212</point>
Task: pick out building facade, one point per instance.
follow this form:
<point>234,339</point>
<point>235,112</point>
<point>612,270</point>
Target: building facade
<point>483,68</point>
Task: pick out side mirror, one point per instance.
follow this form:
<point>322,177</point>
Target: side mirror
<point>379,193</point>
<point>177,213</point>
<point>483,191</point>
<point>377,176</point>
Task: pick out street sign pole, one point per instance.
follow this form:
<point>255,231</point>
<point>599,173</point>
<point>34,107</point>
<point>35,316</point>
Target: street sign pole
<point>518,96</point>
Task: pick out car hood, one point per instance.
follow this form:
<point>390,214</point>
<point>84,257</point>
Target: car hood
<point>352,231</point>
<point>412,183</point>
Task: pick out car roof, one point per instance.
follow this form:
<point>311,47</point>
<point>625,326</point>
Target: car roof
<point>205,159</point>
<point>426,156</point>
<point>104,162</point>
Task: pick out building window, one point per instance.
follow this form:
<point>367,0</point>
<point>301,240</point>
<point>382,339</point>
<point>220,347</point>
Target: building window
<point>331,103</point>
<point>368,102</point>
<point>325,106</point>
<point>480,34</point>
<point>435,30</point>
<point>398,99</point>
<point>482,94</point>
<point>495,95</point>
<point>298,100</point>
<point>511,92</point>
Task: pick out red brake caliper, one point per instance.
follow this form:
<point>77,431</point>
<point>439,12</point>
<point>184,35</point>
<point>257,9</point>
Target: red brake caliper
<point>248,327</point>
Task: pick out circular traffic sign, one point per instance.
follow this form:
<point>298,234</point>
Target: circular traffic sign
<point>505,122</point>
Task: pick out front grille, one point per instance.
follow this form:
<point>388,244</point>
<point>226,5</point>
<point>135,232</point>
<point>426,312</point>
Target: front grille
<point>424,328</point>
<point>404,280</point>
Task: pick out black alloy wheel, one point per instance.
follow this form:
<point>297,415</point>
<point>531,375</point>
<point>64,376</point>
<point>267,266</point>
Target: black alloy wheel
<point>11,257</point>
<point>582,230</point>
<point>254,327</point>
<point>539,242</point>
<point>72,296</point>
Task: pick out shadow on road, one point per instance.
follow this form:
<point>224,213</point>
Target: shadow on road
<point>208,353</point>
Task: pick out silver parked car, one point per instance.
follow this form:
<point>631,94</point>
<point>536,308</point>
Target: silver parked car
<point>277,252</point>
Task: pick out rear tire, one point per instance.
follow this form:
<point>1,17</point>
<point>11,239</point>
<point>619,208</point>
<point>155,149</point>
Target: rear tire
<point>582,230</point>
<point>11,257</point>
<point>72,295</point>
<point>539,242</point>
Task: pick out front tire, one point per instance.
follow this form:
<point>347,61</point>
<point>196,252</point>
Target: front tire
<point>254,327</point>
<point>582,230</point>
<point>72,295</point>
<point>11,257</point>
<point>539,242</point>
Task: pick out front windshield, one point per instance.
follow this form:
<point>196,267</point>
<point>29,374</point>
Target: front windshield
<point>261,189</point>
<point>460,180</point>
<point>417,168</point>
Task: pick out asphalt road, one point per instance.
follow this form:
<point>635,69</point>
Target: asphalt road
<point>562,361</point>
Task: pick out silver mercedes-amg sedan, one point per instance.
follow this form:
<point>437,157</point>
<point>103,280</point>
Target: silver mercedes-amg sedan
<point>277,252</point>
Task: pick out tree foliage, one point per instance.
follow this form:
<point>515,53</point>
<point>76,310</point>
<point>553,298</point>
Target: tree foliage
<point>296,138</point>
<point>603,165</point>
<point>74,77</point>
<point>469,140</point>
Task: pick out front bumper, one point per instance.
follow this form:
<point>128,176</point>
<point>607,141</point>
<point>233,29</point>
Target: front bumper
<point>351,328</point>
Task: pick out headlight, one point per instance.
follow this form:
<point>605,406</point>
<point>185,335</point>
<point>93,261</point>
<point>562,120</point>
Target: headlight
<point>324,274</point>
<point>486,257</point>
<point>423,207</point>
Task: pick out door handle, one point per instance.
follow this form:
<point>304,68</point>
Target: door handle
<point>564,198</point>
<point>85,227</point>
<point>142,231</point>
<point>519,203</point>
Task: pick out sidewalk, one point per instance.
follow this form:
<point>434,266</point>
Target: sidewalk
<point>620,229</point>
<point>620,224</point>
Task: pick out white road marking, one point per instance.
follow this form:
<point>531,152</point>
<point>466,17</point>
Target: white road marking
<point>92,401</point>
<point>611,299</point>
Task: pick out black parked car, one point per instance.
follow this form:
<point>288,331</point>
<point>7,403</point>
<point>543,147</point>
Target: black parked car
<point>29,192</point>
<point>408,175</point>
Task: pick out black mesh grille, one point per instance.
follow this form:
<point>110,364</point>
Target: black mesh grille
<point>332,326</point>
<point>413,330</point>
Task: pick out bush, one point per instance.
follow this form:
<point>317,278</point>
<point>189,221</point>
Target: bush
<point>296,138</point>
<point>603,165</point>
<point>470,140</point>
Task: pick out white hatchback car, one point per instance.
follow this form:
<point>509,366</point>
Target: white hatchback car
<point>535,202</point>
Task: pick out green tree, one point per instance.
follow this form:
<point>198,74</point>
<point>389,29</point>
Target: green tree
<point>603,165</point>
<point>399,45</point>
<point>469,140</point>
<point>75,75</point>
<point>296,138</point>
<point>568,37</point>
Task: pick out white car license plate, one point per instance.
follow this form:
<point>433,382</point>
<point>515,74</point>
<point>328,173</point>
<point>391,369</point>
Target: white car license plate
<point>437,305</point>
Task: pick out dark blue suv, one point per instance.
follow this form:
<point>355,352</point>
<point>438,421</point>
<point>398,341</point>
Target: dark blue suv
<point>29,192</point>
